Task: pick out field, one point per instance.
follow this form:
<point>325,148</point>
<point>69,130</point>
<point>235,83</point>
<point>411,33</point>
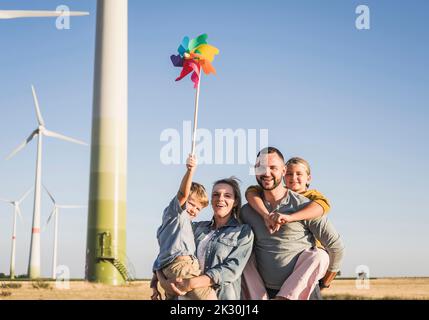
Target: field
<point>382,288</point>
<point>385,288</point>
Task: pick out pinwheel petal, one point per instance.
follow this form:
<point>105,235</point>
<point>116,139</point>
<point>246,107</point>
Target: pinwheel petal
<point>177,60</point>
<point>183,46</point>
<point>207,67</point>
<point>194,56</point>
<point>185,71</point>
<point>195,77</point>
<point>207,51</point>
<point>188,67</point>
<point>201,39</point>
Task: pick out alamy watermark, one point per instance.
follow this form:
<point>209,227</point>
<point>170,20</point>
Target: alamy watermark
<point>62,281</point>
<point>362,277</point>
<point>363,21</point>
<point>221,146</point>
<point>63,20</point>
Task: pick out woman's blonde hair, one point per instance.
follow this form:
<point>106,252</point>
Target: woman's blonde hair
<point>301,161</point>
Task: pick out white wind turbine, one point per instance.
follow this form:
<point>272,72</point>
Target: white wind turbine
<point>17,212</point>
<point>40,131</point>
<point>108,177</point>
<point>55,213</point>
<point>34,264</point>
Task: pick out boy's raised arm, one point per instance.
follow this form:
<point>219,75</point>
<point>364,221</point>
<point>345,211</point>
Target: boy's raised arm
<point>185,185</point>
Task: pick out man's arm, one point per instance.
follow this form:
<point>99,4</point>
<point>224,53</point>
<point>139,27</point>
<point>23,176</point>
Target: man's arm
<point>323,230</point>
<point>325,282</point>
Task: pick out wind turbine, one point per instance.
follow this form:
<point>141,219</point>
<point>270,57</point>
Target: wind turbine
<point>107,204</point>
<point>40,131</point>
<point>34,264</point>
<point>17,212</point>
<point>55,213</point>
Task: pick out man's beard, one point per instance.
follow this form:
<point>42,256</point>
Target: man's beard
<point>275,184</point>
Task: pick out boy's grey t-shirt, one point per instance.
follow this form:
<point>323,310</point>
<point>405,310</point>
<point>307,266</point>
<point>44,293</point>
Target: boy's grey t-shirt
<point>175,235</point>
<point>276,254</point>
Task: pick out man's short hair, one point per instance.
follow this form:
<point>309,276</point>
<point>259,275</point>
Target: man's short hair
<point>269,150</point>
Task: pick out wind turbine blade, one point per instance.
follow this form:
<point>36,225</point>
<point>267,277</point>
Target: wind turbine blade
<point>18,210</point>
<point>14,14</point>
<point>5,200</point>
<point>22,145</point>
<point>71,207</point>
<point>50,195</point>
<point>25,195</point>
<point>62,137</point>
<point>51,215</point>
<point>36,105</point>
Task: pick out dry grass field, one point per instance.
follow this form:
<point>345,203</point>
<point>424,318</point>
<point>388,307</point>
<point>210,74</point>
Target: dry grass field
<point>79,290</point>
<point>383,288</point>
<point>386,288</point>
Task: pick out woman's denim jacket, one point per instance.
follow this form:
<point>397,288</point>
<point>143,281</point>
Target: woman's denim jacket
<point>226,255</point>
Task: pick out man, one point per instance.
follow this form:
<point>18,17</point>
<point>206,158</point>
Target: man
<point>287,260</point>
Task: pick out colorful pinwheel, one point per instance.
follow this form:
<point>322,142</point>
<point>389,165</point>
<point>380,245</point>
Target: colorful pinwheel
<point>193,55</point>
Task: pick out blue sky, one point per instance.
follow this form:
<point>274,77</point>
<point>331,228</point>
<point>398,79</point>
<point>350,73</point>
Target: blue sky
<point>354,103</point>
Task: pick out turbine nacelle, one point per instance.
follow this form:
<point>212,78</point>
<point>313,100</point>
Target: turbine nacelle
<point>57,206</point>
<point>17,203</point>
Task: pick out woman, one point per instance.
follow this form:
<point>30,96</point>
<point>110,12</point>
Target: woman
<point>223,246</point>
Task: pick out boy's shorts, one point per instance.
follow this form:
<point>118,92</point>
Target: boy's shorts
<point>186,267</point>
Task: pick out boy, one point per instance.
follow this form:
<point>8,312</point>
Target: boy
<point>177,256</point>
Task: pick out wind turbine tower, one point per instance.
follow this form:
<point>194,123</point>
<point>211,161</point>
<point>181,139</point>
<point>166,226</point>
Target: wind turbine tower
<point>34,263</point>
<point>106,236</point>
<point>40,131</point>
<point>55,213</point>
<point>16,212</point>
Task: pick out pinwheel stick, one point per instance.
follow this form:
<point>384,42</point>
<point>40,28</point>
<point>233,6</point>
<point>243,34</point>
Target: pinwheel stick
<point>197,98</point>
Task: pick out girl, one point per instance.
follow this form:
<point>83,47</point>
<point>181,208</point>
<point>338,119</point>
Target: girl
<point>297,179</point>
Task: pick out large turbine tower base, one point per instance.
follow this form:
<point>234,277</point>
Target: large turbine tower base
<point>106,236</point>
